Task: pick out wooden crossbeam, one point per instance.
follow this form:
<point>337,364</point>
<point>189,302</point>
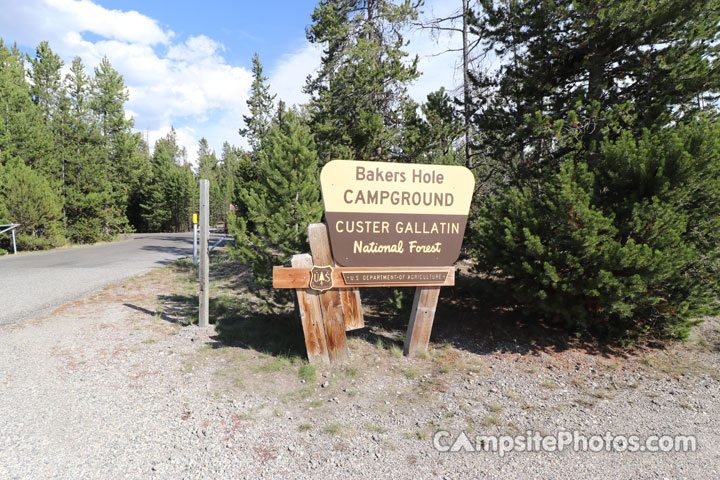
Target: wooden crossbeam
<point>287,277</point>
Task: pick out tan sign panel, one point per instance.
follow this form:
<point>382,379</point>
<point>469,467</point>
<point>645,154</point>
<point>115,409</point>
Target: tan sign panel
<point>395,214</point>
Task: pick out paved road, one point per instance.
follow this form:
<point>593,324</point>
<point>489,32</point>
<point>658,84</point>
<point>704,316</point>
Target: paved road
<point>34,284</point>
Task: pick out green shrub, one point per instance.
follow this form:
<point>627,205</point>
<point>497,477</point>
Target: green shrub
<point>30,201</point>
<point>626,245</point>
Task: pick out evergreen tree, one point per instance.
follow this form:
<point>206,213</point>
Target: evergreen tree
<point>156,207</point>
<point>358,94</point>
<point>90,202</point>
<point>230,166</point>
<point>658,58</point>
<point>3,210</point>
<point>108,97</point>
<point>260,104</point>
<point>281,204</point>
<point>459,22</point>
<point>606,219</point>
<point>431,135</point>
<point>208,169</point>
<point>172,195</point>
<point>46,87</point>
<point>30,201</point>
<point>240,170</point>
<point>107,100</point>
<point>23,135</point>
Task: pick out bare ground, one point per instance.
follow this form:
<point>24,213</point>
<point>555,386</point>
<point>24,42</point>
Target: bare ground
<point>119,386</point>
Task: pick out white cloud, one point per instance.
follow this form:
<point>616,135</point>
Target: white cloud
<point>194,49</point>
<point>85,16</point>
<point>287,77</point>
<point>186,83</point>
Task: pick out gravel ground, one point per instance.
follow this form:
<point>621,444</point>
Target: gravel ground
<point>110,387</point>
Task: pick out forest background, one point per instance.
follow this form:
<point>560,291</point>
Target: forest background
<point>591,127</point>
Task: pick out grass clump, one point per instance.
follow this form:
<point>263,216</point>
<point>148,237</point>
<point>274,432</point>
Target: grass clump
<point>307,372</point>
<point>334,429</point>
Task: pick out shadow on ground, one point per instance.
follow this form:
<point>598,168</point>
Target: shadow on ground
<point>162,316</point>
<point>476,315</point>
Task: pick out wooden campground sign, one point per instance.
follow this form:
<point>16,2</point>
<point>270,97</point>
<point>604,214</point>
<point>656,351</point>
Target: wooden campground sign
<point>395,214</point>
<point>388,225</point>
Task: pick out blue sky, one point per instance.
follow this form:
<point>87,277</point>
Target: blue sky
<point>270,28</point>
<point>187,63</point>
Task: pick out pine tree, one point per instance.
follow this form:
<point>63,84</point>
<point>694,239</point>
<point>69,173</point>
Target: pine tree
<point>658,58</point>
<point>90,202</point>
<point>107,100</point>
<point>23,135</point>
<point>431,135</point>
<point>46,87</point>
<point>459,22</point>
<point>172,195</point>
<point>605,218</point>
<point>230,166</point>
<point>261,108</point>
<point>358,95</point>
<point>3,209</point>
<point>240,170</point>
<point>30,201</point>
<point>283,201</point>
<point>108,97</point>
<point>208,169</point>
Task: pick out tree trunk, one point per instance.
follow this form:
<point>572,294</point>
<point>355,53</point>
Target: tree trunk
<point>466,84</point>
<point>595,93</point>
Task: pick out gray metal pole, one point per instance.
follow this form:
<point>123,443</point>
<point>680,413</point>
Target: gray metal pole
<point>194,243</point>
<point>14,246</point>
<point>204,257</point>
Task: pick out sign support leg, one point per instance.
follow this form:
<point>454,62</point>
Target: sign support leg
<point>311,317</point>
<point>332,311</point>
<point>352,308</point>
<point>421,320</point>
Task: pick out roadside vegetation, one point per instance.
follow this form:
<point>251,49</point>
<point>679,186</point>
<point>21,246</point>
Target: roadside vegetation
<point>591,127</point>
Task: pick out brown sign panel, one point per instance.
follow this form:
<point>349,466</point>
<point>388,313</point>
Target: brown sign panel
<point>382,214</point>
<point>321,278</point>
<point>398,277</point>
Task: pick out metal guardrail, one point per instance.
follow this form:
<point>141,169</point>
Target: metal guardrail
<point>224,237</point>
<point>210,249</point>
<point>11,227</point>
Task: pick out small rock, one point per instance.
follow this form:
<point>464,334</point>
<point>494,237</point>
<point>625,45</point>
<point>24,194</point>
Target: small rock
<point>325,384</point>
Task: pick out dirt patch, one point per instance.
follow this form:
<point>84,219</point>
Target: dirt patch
<point>123,385</point>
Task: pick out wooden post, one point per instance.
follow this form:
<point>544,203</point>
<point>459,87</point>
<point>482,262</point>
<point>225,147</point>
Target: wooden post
<point>330,302</point>
<point>352,308</point>
<point>204,270</point>
<point>349,299</point>
<point>421,320</point>
<point>311,317</point>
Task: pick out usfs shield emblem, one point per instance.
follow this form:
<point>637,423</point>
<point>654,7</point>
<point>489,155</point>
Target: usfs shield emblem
<point>321,278</point>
